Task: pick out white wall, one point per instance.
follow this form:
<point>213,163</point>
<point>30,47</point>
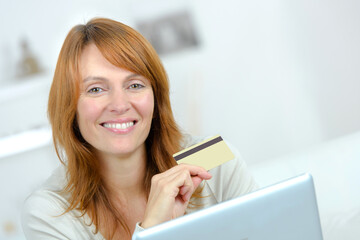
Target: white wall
<point>20,175</point>
<point>273,77</point>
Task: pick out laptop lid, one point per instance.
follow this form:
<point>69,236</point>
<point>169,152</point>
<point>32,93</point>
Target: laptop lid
<point>287,210</point>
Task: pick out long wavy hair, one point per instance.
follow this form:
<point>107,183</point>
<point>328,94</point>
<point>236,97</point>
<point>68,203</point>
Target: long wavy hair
<point>125,48</point>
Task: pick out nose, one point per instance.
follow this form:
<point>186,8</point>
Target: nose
<point>119,102</point>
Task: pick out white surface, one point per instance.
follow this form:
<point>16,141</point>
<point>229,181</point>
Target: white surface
<point>20,174</point>
<point>25,141</point>
<point>335,167</point>
<point>271,76</point>
<point>23,105</point>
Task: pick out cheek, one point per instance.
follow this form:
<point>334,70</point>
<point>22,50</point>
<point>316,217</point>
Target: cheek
<point>145,105</point>
<point>149,105</point>
<point>87,112</point>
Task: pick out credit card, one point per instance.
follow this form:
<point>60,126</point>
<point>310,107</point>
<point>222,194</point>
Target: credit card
<point>207,154</point>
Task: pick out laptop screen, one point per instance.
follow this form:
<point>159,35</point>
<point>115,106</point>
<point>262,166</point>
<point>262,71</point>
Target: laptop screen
<point>287,210</point>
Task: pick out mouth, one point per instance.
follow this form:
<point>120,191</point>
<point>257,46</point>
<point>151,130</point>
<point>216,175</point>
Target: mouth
<point>120,126</point>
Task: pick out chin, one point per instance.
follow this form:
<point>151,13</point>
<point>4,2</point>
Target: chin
<point>121,152</point>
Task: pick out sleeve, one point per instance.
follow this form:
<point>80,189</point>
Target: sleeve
<point>43,218</point>
<point>231,179</point>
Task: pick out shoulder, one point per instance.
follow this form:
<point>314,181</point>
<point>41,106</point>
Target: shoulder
<point>231,179</point>
<point>189,140</point>
<point>48,197</point>
<point>44,215</point>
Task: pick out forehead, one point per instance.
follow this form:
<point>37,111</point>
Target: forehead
<point>94,66</point>
<point>91,59</point>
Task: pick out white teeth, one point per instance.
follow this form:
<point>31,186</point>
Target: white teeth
<point>119,125</point>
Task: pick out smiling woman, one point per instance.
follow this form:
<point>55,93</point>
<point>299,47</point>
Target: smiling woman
<point>114,132</point>
<point>115,108</point>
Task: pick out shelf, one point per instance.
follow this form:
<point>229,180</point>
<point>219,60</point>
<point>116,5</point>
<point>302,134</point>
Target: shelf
<point>22,87</point>
<point>23,105</point>
<point>25,141</point>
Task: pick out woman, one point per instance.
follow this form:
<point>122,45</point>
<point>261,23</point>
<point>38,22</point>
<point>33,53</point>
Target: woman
<point>114,132</point>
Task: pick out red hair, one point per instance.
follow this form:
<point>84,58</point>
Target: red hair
<point>125,48</point>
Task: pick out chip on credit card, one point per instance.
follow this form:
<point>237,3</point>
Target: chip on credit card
<point>207,154</point>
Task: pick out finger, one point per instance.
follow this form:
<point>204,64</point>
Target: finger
<point>177,173</point>
<point>196,181</point>
<point>185,183</point>
<point>172,185</point>
<point>183,180</point>
<point>194,170</point>
<point>179,182</point>
<point>186,194</point>
<point>204,175</point>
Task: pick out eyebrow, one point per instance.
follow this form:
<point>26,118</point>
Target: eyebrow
<point>97,78</point>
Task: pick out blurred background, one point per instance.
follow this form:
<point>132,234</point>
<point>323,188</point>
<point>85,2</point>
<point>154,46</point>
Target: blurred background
<point>279,79</point>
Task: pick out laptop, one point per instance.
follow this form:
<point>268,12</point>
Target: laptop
<point>283,211</point>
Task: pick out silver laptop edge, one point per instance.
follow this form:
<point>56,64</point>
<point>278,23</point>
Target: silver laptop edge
<point>273,194</point>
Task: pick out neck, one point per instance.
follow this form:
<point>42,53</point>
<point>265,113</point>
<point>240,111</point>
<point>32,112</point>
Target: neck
<point>124,175</point>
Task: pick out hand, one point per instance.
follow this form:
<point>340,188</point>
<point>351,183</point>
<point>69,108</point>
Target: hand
<point>170,193</point>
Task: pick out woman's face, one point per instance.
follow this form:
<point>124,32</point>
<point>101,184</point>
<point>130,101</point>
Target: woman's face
<point>115,107</point>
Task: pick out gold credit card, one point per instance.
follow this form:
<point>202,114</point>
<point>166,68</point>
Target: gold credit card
<point>207,154</point>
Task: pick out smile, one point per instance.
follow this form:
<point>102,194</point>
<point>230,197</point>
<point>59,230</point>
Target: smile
<point>118,125</point>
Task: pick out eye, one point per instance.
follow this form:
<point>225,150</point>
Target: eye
<point>95,90</point>
<point>136,86</point>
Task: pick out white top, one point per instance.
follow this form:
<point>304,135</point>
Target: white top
<point>43,218</point>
